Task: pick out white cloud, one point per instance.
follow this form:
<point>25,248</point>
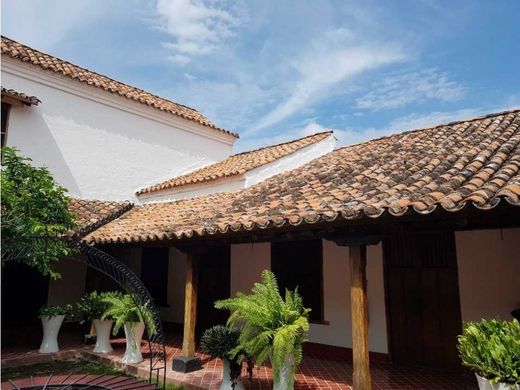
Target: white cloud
<point>330,60</point>
<point>179,59</point>
<point>44,24</point>
<point>401,90</point>
<point>232,104</point>
<point>197,27</point>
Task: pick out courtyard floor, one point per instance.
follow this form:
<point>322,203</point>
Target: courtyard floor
<point>322,368</point>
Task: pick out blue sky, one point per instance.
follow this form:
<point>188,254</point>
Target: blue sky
<point>276,70</point>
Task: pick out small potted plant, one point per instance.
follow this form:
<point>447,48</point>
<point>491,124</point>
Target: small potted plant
<point>491,348</point>
<point>52,317</point>
<point>92,307</point>
<point>134,318</point>
<point>218,342</point>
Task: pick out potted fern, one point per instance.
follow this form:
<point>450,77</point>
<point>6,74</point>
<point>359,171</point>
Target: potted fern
<point>271,327</point>
<point>126,313</point>
<point>92,307</point>
<point>218,342</point>
<point>491,348</point>
<point>52,318</point>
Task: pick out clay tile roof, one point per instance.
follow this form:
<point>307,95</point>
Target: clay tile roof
<point>238,163</point>
<point>471,162</point>
<point>91,214</point>
<point>20,96</point>
<point>50,63</point>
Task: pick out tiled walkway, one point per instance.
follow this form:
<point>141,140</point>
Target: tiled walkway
<point>322,368</point>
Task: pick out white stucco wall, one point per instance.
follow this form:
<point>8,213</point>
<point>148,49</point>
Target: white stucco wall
<point>227,184</point>
<point>292,161</point>
<point>193,190</point>
<point>336,281</point>
<point>489,273</point>
<point>100,145</point>
<point>248,261</point>
<point>176,287</point>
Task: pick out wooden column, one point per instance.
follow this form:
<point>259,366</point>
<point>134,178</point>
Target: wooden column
<point>188,361</point>
<point>190,306</point>
<point>359,305</point>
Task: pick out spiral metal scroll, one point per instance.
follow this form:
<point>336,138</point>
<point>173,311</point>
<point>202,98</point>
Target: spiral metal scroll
<point>125,277</point>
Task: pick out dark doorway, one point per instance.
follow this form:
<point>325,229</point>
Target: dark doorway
<point>422,296</point>
<point>299,264</point>
<point>154,273</point>
<point>24,291</point>
<point>213,284</point>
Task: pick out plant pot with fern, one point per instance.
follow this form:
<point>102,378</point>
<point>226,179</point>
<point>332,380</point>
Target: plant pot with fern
<point>52,318</point>
<point>218,342</point>
<point>92,308</point>
<point>134,318</point>
<point>491,348</point>
<point>272,328</point>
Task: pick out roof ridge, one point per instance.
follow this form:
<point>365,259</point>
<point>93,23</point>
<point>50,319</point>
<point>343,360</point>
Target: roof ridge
<point>236,159</point>
<point>99,200</point>
<point>102,75</point>
<point>282,143</point>
<point>121,83</point>
<point>411,131</point>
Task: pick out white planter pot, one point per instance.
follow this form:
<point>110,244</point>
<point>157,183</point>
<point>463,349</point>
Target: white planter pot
<point>286,380</point>
<point>103,329</point>
<point>483,384</point>
<point>51,327</point>
<point>226,377</point>
<point>134,334</point>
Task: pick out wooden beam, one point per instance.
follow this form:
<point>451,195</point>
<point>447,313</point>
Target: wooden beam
<point>190,306</point>
<point>359,305</point>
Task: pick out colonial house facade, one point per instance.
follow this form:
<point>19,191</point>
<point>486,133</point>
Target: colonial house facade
<point>393,243</point>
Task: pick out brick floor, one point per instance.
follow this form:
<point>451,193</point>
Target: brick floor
<point>322,368</point>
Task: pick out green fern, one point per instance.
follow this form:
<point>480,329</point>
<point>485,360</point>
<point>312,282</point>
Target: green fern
<point>122,309</point>
<point>271,328</point>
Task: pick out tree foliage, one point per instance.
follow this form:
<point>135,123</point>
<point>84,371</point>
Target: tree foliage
<point>35,214</point>
<point>271,328</point>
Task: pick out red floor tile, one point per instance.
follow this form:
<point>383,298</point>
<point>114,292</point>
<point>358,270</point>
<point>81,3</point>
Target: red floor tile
<point>321,368</point>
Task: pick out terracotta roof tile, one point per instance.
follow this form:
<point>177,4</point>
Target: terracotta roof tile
<point>91,214</point>
<point>239,163</point>
<point>474,162</point>
<point>45,61</point>
<point>22,97</point>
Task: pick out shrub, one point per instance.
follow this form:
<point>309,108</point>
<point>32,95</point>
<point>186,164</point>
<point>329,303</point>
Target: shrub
<point>35,215</point>
<point>492,349</point>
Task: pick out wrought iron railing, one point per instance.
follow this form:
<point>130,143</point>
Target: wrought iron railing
<point>128,281</point>
<point>124,277</point>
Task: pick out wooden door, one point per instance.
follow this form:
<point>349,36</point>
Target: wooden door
<point>214,274</point>
<point>422,296</point>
